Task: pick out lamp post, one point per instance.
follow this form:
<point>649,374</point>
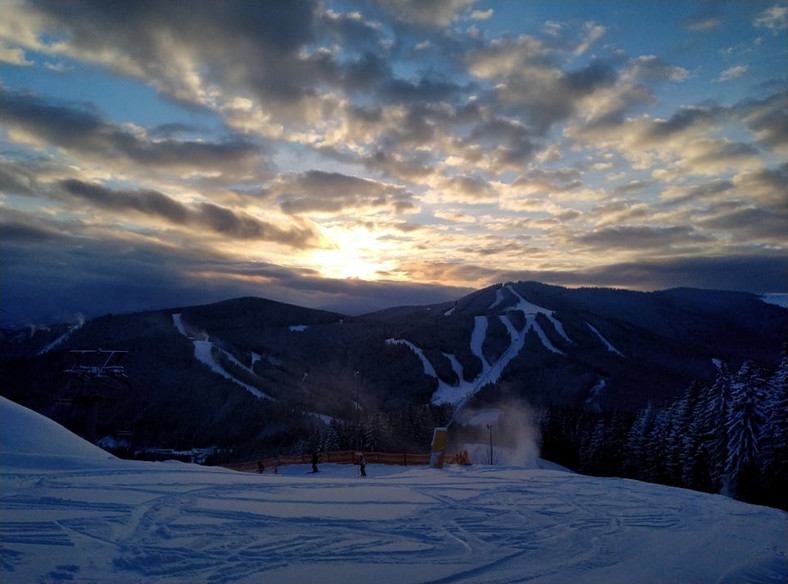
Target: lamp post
<point>490,428</point>
<point>358,414</point>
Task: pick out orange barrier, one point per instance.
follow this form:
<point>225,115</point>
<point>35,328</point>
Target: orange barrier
<point>337,457</point>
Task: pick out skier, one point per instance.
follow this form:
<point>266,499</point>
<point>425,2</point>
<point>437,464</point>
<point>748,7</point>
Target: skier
<point>362,465</point>
<point>315,460</point>
<point>260,467</point>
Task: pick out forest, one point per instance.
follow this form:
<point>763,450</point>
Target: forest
<point>728,437</point>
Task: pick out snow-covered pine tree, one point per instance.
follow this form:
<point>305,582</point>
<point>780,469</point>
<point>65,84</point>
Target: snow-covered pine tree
<point>695,457</point>
<point>714,413</point>
<point>690,467</point>
<point>656,448</point>
<point>746,416</point>
<point>636,445</point>
<point>774,438</point>
<point>329,439</point>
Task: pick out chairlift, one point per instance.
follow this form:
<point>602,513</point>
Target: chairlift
<point>103,365</point>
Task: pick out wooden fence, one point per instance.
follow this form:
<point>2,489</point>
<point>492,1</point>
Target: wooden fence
<point>337,457</point>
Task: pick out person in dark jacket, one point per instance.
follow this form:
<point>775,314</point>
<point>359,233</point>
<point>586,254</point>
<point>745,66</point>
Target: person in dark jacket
<point>362,465</point>
<point>315,460</point>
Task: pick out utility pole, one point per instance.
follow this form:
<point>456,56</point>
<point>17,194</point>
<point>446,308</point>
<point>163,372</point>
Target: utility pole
<point>358,413</point>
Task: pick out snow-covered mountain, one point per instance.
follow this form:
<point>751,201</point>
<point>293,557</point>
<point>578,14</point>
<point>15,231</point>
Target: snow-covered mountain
<point>255,376</point>
<point>70,512</point>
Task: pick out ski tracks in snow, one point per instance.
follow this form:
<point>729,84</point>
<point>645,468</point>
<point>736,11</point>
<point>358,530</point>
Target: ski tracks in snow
<point>174,522</point>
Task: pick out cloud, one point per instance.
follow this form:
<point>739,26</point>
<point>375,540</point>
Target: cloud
<point>217,220</point>
<point>13,56</point>
<point>415,123</point>
<point>40,260</point>
<point>482,14</point>
<point>83,133</point>
<point>703,23</point>
<point>640,237</point>
<point>751,224</point>
<point>775,18</point>
<point>741,272</point>
<point>733,72</point>
<point>335,193</point>
<point>768,120</point>
<point>426,12</point>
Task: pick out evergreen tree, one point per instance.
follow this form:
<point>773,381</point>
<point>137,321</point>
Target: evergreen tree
<point>330,439</point>
<point>655,458</point>
<point>714,413</point>
<point>636,450</point>
<point>689,455</point>
<point>745,420</point>
<point>774,438</point>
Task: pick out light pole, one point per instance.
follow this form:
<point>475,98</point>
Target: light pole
<point>358,414</point>
<point>490,427</point>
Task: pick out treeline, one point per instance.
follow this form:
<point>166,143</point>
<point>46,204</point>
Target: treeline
<point>406,430</point>
<point>729,437</point>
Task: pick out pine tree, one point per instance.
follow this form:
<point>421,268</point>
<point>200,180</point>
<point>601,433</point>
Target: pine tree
<point>686,438</point>
<point>745,420</point>
<point>714,413</point>
<point>774,438</point>
<point>330,439</point>
<point>635,450</point>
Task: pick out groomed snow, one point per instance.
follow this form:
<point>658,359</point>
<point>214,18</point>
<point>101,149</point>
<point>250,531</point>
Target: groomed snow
<point>70,512</point>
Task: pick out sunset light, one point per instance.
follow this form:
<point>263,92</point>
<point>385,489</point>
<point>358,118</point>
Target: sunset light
<point>306,149</point>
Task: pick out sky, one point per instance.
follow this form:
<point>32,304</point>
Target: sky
<point>361,155</point>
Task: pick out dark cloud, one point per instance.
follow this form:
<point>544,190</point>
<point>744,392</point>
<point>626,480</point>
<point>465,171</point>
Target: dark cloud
<point>683,120</point>
<point>747,273</point>
<point>640,237</point>
<point>425,12</point>
<point>146,202</point>
<point>750,224</point>
<point>334,192</point>
<point>17,180</point>
<point>84,132</point>
<point>218,220</point>
<point>768,119</point>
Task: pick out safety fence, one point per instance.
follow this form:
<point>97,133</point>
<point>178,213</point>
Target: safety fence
<point>270,465</point>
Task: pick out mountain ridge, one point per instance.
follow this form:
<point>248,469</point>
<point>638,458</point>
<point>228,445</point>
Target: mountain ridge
<point>198,381</point>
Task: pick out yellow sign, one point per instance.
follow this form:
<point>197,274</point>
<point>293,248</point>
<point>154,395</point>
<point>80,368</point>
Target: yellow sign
<point>439,441</point>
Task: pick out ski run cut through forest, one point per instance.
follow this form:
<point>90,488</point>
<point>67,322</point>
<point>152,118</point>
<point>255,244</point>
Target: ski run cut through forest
<point>72,512</point>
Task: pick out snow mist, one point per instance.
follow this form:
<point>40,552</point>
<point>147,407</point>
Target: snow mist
<point>507,434</point>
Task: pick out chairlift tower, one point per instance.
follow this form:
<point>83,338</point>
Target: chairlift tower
<point>103,367</point>
<point>92,369</point>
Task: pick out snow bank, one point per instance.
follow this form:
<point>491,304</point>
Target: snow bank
<point>32,441</point>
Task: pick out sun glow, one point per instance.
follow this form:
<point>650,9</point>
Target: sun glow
<point>356,253</point>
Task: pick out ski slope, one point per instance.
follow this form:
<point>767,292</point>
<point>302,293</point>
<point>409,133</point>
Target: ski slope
<point>461,391</point>
<point>71,512</point>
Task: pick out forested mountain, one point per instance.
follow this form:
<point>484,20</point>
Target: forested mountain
<point>252,377</point>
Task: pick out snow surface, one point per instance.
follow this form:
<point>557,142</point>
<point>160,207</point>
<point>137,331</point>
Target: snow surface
<point>71,512</point>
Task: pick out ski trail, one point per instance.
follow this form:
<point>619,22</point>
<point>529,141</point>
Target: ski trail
<point>477,338</point>
<point>607,343</point>
<point>60,340</point>
<point>428,368</point>
<point>203,352</point>
<point>529,308</point>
